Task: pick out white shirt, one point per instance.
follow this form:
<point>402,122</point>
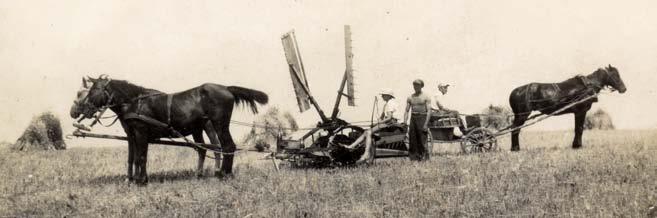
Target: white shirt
<point>439,97</point>
<point>390,107</point>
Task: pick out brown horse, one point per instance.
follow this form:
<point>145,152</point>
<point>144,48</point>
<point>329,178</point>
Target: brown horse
<point>550,97</point>
<point>205,108</point>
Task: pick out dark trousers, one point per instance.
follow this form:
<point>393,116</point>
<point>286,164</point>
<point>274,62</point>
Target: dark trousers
<point>417,138</point>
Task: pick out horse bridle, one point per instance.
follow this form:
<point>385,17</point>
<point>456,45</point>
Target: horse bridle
<point>101,109</point>
<point>613,80</point>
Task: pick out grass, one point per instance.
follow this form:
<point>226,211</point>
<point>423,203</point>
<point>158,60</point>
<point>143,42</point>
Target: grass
<point>615,174</point>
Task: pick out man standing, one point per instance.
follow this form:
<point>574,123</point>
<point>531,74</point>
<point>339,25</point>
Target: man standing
<point>420,106</point>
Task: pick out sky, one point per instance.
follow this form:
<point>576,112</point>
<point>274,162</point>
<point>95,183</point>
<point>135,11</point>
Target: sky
<point>483,49</point>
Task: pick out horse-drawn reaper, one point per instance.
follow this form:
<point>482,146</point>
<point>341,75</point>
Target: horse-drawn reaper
<point>147,115</point>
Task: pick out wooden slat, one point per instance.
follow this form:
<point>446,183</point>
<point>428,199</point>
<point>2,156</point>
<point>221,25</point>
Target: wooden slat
<point>297,71</point>
<point>349,71</point>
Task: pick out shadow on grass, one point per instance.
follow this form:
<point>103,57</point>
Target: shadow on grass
<point>160,177</point>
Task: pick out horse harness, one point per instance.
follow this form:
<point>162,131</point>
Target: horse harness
<point>137,115</point>
<point>149,120</point>
<point>589,87</point>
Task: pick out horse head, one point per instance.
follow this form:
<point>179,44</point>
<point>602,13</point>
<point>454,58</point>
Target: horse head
<point>98,94</point>
<point>80,104</point>
<point>90,97</point>
<point>613,79</point>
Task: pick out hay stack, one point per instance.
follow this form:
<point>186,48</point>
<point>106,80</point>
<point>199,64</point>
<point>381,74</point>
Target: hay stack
<point>43,133</point>
<point>496,117</point>
<point>598,120</point>
<point>271,125</point>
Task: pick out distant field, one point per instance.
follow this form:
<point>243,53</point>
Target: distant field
<point>615,174</point>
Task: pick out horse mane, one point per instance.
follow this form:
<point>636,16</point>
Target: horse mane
<point>132,89</point>
<point>578,76</point>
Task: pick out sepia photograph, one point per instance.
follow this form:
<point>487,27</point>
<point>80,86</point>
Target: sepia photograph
<point>300,108</point>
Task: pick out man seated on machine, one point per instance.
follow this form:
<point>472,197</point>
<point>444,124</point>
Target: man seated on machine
<point>443,111</point>
<point>386,119</point>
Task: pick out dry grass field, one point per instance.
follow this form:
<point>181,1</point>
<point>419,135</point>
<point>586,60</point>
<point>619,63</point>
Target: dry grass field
<point>615,174</point>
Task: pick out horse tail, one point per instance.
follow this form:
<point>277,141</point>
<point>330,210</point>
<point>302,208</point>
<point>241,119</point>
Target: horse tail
<point>248,96</point>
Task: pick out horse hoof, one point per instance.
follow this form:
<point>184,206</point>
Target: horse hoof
<point>223,176</point>
<point>515,149</point>
<point>577,147</point>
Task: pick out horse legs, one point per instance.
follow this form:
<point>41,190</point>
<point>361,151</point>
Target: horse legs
<point>210,130</point>
<point>131,151</point>
<point>198,138</point>
<point>228,148</point>
<point>141,148</point>
<point>579,129</point>
<point>131,156</point>
<point>518,120</point>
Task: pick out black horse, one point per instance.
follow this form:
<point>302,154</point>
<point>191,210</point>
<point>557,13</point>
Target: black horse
<point>550,97</point>
<point>205,108</point>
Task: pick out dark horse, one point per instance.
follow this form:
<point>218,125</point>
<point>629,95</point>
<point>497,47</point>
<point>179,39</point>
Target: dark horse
<point>205,108</point>
<point>550,97</point>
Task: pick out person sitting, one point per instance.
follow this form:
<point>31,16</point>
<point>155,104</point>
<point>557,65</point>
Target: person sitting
<point>443,111</point>
<point>389,108</point>
<point>386,119</point>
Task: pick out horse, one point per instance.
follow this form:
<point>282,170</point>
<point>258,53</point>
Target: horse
<point>550,97</point>
<point>148,114</point>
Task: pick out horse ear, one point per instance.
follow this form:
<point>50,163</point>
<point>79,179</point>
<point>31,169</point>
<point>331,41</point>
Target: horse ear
<point>91,79</point>
<point>84,83</point>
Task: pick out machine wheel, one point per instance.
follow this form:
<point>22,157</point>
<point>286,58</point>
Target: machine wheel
<point>478,140</point>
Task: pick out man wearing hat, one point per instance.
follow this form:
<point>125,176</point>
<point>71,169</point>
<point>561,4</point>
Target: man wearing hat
<point>390,106</point>
<point>442,110</point>
<point>419,105</point>
<point>386,119</point>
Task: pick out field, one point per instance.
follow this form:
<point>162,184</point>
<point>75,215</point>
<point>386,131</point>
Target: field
<point>615,174</point>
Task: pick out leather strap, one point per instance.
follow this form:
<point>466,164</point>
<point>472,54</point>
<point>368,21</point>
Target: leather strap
<point>169,102</point>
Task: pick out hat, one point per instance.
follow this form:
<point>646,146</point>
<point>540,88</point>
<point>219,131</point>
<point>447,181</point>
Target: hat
<point>441,85</point>
<point>387,92</point>
<point>419,82</point>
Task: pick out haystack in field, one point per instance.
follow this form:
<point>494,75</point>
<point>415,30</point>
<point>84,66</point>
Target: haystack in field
<point>496,117</point>
<point>271,125</point>
<point>598,120</point>
<point>43,133</point>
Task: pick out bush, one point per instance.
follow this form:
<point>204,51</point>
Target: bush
<point>598,120</point>
<point>43,133</point>
<point>496,117</point>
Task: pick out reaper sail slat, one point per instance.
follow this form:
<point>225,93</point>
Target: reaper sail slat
<point>297,71</point>
<point>349,71</point>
